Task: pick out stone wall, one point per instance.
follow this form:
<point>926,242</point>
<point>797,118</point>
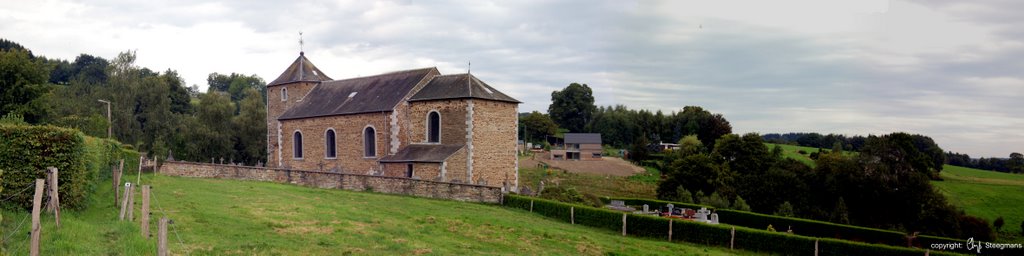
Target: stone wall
<point>426,171</point>
<point>453,120</point>
<point>348,130</point>
<point>355,182</point>
<point>494,142</point>
<point>275,107</point>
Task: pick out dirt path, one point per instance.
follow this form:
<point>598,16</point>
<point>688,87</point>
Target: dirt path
<point>607,166</point>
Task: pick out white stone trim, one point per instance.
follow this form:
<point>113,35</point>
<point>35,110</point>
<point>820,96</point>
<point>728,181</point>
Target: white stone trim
<point>515,148</point>
<point>280,158</point>
<point>469,141</point>
<point>395,129</point>
<point>426,131</point>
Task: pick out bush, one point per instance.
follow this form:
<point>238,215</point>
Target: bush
<point>785,210</point>
<point>26,151</point>
<point>700,233</point>
<point>998,223</point>
<point>975,227</point>
<point>740,204</point>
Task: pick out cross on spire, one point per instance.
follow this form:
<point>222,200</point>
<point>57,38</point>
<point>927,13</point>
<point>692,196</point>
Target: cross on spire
<point>301,51</point>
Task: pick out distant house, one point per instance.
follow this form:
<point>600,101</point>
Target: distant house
<point>579,146</point>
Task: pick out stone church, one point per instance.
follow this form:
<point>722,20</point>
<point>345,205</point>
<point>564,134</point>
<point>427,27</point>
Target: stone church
<point>413,123</point>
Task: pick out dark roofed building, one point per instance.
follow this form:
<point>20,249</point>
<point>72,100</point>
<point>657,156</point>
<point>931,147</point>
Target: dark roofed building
<point>413,123</point>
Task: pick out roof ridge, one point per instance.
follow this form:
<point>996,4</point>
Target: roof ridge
<point>383,74</point>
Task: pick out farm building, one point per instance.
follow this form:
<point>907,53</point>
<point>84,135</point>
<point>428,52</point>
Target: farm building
<point>413,123</point>
<point>579,146</point>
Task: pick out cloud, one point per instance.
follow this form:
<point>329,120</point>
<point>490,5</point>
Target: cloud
<point>948,69</point>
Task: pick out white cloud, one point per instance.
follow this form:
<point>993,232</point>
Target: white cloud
<point>948,69</point>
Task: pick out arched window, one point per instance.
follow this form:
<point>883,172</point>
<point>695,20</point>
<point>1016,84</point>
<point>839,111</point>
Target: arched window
<point>369,142</point>
<point>434,127</point>
<point>329,149</point>
<point>297,144</point>
<point>284,94</point>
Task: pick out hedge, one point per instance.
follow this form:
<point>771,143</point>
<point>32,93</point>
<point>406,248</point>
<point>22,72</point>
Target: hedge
<point>750,239</point>
<point>800,226</point>
<point>26,151</point>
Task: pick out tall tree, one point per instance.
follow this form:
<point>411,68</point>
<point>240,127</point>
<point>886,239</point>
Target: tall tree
<point>22,81</point>
<point>537,126</point>
<point>250,129</point>
<point>573,107</point>
<point>1016,162</point>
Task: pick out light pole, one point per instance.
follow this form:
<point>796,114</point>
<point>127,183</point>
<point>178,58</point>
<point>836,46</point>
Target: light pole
<point>109,124</point>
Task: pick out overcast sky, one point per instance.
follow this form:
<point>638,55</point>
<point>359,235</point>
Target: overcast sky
<point>953,70</point>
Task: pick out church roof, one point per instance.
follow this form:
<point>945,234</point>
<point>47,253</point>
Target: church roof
<point>422,153</point>
<point>459,86</point>
<point>379,93</point>
<point>301,70</point>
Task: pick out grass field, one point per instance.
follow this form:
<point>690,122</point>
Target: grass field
<point>986,194</point>
<point>223,217</point>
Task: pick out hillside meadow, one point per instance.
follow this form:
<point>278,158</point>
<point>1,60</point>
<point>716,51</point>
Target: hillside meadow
<point>224,217</point>
<point>986,194</point>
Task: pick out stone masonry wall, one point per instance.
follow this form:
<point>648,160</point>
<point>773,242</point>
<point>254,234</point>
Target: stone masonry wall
<point>426,171</point>
<point>455,166</point>
<point>275,107</point>
<point>453,120</point>
<point>348,130</point>
<point>355,182</point>
<point>494,142</point>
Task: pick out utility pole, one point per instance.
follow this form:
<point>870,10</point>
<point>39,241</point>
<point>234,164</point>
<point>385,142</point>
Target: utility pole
<point>109,123</point>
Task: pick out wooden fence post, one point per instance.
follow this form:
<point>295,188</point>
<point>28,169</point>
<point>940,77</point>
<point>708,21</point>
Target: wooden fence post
<point>815,247</point>
<point>117,181</point>
<point>145,211</point>
<point>54,198</point>
<point>572,215</point>
<point>732,240</point>
<point>670,230</point>
<point>623,224</point>
<point>124,201</point>
<point>531,205</point>
<point>161,237</point>
<point>131,202</point>
<point>36,204</point>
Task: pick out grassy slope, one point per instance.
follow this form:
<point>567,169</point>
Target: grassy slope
<point>222,217</point>
<point>641,185</point>
<point>985,194</point>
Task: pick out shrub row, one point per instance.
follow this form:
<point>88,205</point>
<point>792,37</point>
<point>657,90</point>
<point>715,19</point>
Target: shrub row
<point>750,239</point>
<point>800,226</point>
<point>26,151</point>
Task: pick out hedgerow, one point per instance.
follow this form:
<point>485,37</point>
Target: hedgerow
<point>26,151</point>
<point>750,239</point>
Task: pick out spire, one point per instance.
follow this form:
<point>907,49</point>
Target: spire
<point>301,70</point>
<point>302,52</point>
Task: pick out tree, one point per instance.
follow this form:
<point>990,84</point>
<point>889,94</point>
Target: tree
<point>690,145</point>
<point>236,84</point>
<point>22,82</point>
<point>1016,163</point>
<point>573,107</point>
<point>250,129</point>
<point>740,204</point>
<point>698,172</point>
<point>683,195</point>
<point>840,214</point>
<point>537,126</point>
<point>785,210</point>
<point>695,120</point>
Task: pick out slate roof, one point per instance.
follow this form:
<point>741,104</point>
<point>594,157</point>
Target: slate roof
<point>301,70</point>
<point>582,138</point>
<point>422,153</point>
<point>459,86</point>
<point>379,93</point>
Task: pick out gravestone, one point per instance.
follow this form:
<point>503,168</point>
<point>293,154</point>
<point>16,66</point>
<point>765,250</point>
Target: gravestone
<point>670,206</point>
<point>714,218</point>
